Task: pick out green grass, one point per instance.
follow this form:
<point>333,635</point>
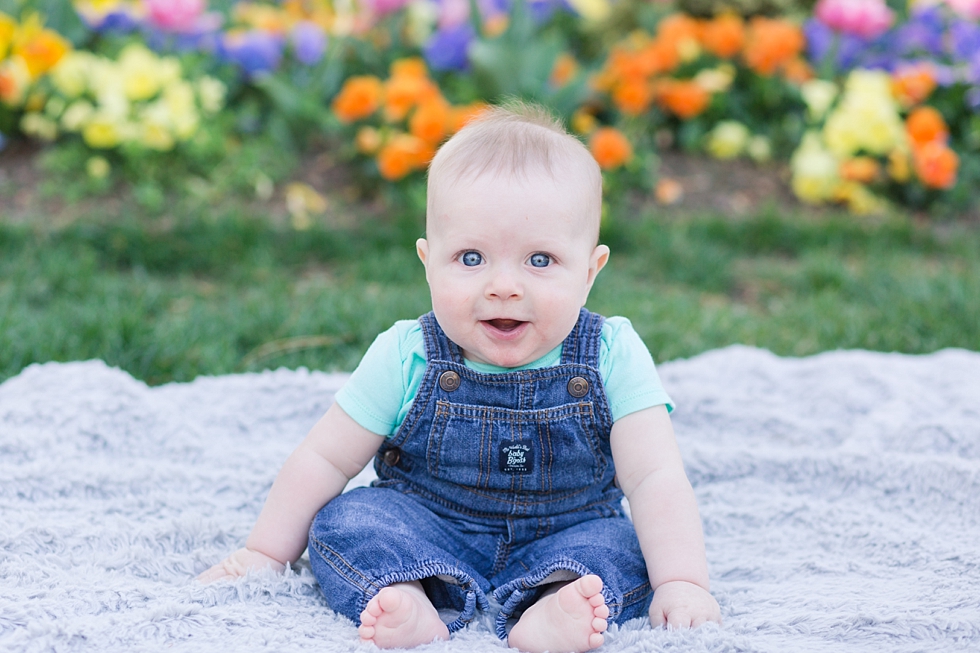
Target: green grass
<point>171,300</point>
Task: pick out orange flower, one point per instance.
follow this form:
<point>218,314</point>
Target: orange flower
<point>402,92</point>
<point>564,70</point>
<point>685,99</point>
<point>632,97</point>
<point>459,116</point>
<point>797,70</point>
<point>936,165</point>
<point>861,169</point>
<point>914,84</point>
<point>409,67</point>
<point>401,155</point>
<point>770,43</point>
<point>430,122</point>
<point>677,28</point>
<point>925,125</point>
<point>660,56</point>
<point>41,51</point>
<point>724,36</point>
<point>358,98</point>
<point>610,148</point>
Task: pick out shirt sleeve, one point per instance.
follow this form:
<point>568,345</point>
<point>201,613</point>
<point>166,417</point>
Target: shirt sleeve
<point>375,392</point>
<point>628,370</point>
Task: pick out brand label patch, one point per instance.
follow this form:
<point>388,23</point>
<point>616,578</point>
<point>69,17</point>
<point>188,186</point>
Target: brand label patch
<point>516,458</point>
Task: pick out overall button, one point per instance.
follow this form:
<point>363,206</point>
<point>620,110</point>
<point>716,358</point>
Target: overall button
<point>391,457</point>
<point>449,381</point>
<point>578,387</point>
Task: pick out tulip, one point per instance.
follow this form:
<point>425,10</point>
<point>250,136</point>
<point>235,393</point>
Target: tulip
<point>865,18</point>
<point>175,15</point>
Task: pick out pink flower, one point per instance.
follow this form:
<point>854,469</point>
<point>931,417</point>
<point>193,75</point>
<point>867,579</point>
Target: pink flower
<point>969,9</point>
<point>382,7</point>
<point>175,15</point>
<point>864,18</point>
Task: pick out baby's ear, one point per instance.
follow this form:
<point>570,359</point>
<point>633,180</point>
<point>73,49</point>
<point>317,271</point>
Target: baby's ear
<point>422,249</point>
<point>600,256</point>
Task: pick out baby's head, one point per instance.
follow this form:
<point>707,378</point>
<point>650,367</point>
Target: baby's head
<point>512,226</point>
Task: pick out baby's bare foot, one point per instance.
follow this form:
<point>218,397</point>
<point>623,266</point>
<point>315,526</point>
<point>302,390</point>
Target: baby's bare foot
<point>401,616</point>
<point>570,620</point>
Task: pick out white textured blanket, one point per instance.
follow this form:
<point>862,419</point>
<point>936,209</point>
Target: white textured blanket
<point>840,496</point>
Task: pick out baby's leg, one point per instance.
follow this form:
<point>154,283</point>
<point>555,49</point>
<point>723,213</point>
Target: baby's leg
<point>568,618</point>
<point>401,616</point>
<point>610,577</point>
<point>394,568</point>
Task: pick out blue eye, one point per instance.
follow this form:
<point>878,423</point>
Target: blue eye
<point>540,260</point>
<point>471,259</point>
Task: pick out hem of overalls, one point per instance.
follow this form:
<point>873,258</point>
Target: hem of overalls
<point>520,593</point>
<point>472,596</point>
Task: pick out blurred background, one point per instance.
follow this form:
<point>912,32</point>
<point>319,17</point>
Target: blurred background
<point>192,187</point>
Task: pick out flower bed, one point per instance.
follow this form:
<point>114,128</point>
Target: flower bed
<point>870,105</point>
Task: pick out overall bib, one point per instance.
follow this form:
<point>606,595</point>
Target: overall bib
<point>494,483</point>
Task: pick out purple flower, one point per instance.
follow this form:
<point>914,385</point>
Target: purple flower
<point>255,51</point>
<point>923,33</point>
<point>309,42</point>
<point>973,98</point>
<point>122,22</point>
<point>964,40</point>
<point>819,39</point>
<point>446,49</point>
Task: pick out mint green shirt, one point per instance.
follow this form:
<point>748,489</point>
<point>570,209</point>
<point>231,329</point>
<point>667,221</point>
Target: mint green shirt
<point>381,390</point>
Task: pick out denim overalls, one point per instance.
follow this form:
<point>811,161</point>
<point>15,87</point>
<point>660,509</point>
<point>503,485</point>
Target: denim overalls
<point>494,482</point>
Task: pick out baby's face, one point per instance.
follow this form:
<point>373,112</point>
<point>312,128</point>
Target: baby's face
<point>509,263</point>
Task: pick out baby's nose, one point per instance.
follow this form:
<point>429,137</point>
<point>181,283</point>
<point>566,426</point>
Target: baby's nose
<point>504,285</point>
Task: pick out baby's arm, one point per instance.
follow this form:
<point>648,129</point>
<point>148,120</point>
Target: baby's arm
<point>665,515</point>
<point>334,451</point>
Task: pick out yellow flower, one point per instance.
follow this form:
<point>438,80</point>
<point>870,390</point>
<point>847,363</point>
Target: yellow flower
<point>156,136</point>
<point>97,167</point>
<point>7,28</point>
<point>368,140</point>
<point>899,167</point>
<point>759,149</point>
<point>71,76</point>
<point>727,140</point>
<point>102,133</point>
<point>179,99</point>
<point>815,170</point>
<point>39,126</point>
<point>140,69</point>
<point>211,93</point>
<point>818,94</point>
<point>858,198</point>
<point>15,79</point>
<point>76,115</point>
<point>716,80</point>
<point>583,122</point>
<point>592,10</point>
<point>866,119</point>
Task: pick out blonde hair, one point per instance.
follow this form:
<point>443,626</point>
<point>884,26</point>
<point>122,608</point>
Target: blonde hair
<point>518,139</point>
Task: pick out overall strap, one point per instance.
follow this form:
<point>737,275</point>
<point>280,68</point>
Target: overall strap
<point>582,344</point>
<point>438,346</point>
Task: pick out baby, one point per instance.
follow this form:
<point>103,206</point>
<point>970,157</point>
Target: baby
<point>505,425</point>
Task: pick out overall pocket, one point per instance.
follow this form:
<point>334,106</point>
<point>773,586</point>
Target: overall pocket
<point>547,453</point>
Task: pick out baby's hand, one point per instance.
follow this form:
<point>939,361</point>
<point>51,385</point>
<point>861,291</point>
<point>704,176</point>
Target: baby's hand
<point>238,563</point>
<point>679,604</point>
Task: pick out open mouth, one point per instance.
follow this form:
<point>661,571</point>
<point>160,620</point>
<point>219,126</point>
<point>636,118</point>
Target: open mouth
<point>505,325</point>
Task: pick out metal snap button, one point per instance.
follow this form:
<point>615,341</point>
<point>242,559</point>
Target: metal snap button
<point>391,457</point>
<point>449,381</point>
<point>578,387</point>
